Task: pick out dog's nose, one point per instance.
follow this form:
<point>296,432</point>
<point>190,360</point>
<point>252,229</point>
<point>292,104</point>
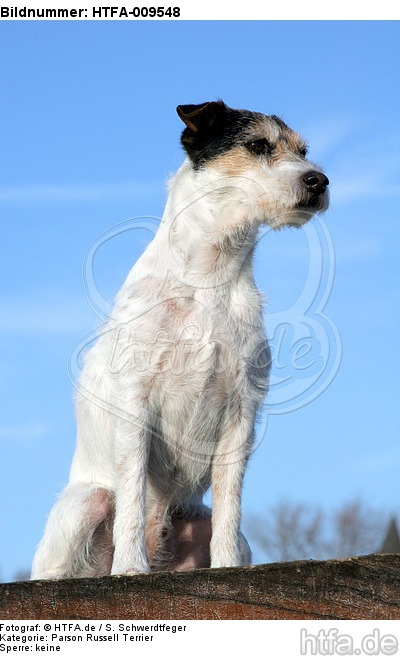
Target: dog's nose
<point>315,181</point>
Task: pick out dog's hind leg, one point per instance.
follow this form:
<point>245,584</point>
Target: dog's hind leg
<point>187,542</point>
<point>76,542</point>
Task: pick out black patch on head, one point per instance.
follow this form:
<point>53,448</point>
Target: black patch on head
<point>211,129</point>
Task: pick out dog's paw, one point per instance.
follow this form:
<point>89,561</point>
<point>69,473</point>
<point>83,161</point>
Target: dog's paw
<point>223,555</point>
<point>226,560</point>
<point>129,570</point>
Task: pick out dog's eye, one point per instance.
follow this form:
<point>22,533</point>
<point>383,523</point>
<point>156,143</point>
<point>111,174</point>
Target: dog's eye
<point>260,147</point>
<point>303,152</point>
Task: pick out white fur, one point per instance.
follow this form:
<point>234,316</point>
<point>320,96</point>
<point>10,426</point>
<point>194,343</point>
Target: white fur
<point>170,391</point>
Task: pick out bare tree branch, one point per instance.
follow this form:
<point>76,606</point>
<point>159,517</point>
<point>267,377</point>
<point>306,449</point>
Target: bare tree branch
<point>298,531</point>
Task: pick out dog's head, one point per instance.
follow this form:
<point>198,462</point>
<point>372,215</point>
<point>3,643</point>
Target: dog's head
<point>287,189</point>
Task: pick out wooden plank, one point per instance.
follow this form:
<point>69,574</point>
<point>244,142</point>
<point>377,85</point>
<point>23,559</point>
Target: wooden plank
<point>358,588</point>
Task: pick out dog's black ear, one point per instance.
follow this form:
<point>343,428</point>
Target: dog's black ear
<point>205,127</point>
<point>207,116</point>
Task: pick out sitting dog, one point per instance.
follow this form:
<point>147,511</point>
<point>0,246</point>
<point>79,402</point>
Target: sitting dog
<point>169,393</point>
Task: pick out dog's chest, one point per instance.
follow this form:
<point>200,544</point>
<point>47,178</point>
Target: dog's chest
<point>202,361</point>
<point>188,347</point>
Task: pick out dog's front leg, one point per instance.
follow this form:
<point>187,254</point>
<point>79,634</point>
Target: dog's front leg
<point>229,463</point>
<point>132,449</point>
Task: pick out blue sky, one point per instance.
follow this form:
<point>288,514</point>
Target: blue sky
<point>89,137</point>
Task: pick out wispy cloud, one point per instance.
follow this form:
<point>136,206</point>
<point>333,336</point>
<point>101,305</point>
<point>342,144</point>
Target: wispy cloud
<point>326,135</point>
<point>387,461</point>
<point>360,162</point>
<point>25,431</point>
<point>56,193</point>
<point>363,186</point>
<point>46,316</point>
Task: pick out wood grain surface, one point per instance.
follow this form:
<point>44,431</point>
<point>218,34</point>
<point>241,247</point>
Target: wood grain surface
<point>357,588</point>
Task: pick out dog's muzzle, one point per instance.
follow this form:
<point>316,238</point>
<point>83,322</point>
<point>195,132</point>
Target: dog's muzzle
<point>315,184</point>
